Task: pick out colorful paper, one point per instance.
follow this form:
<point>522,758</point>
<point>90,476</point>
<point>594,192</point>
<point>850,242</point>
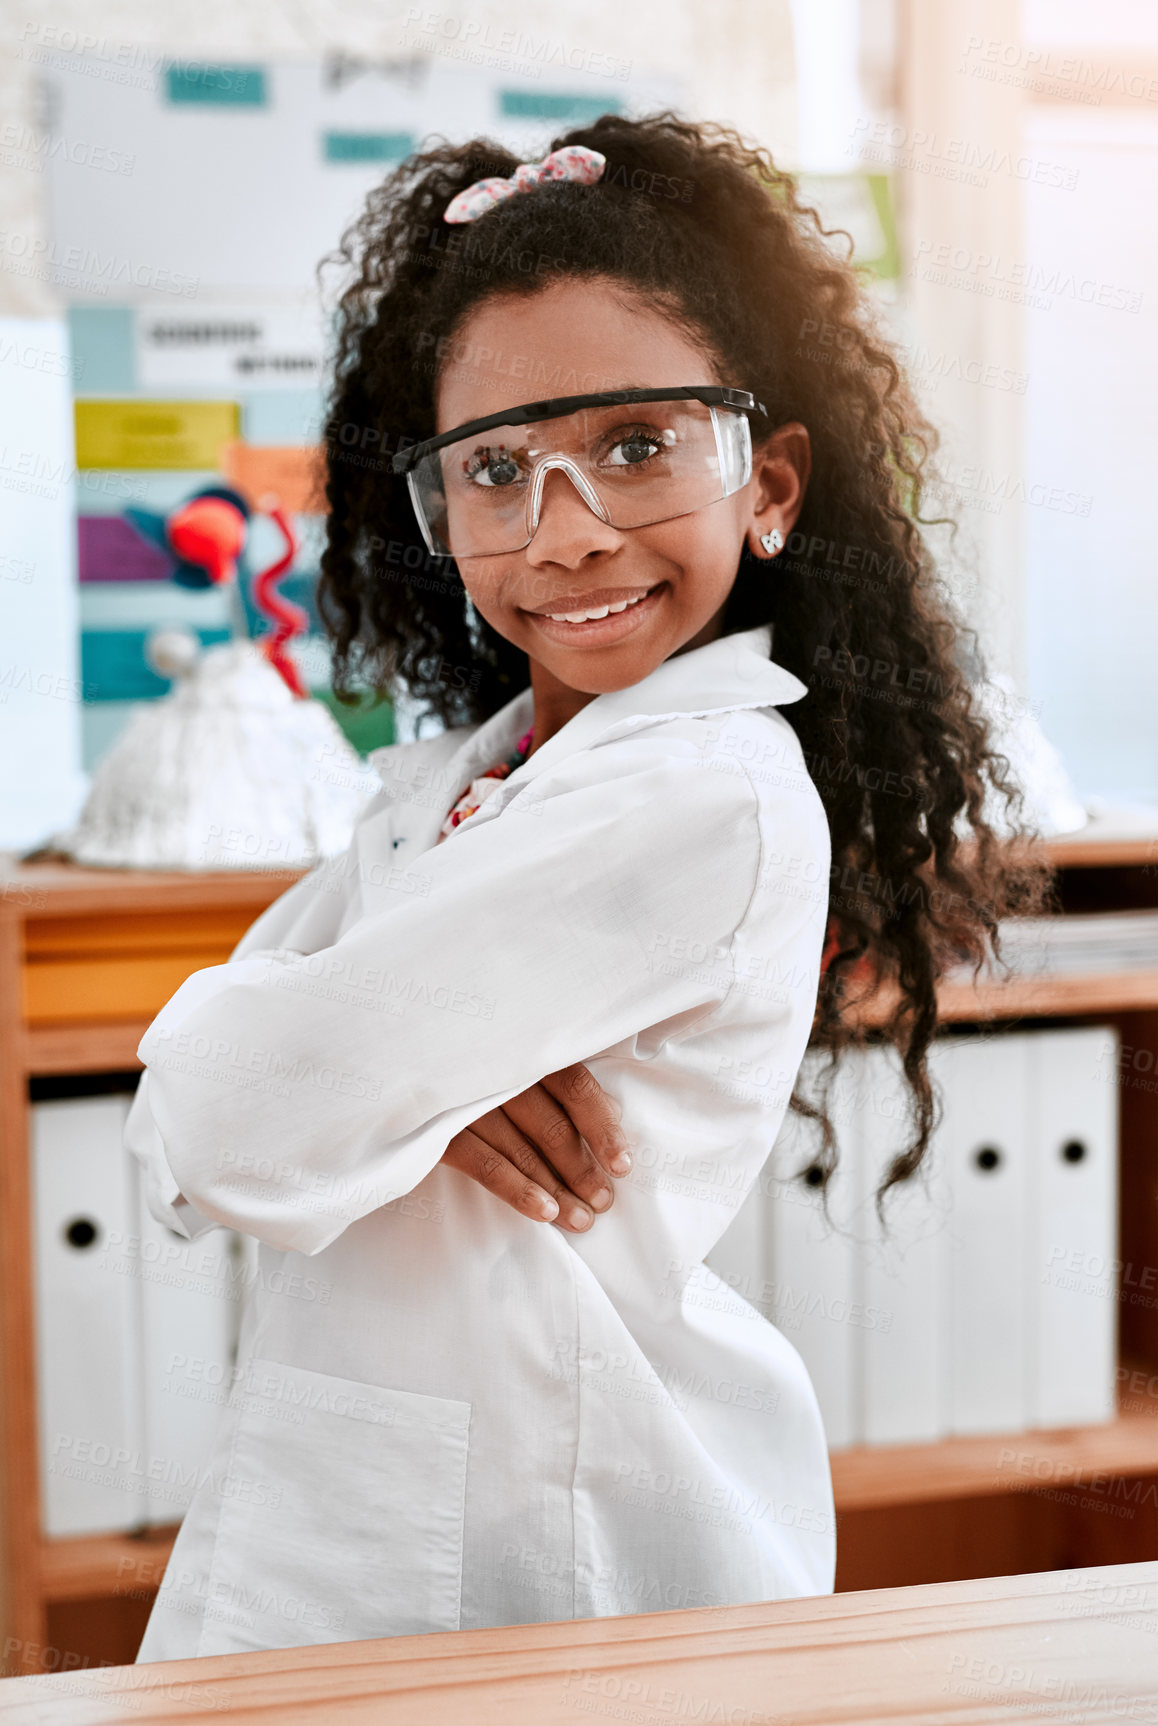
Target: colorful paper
<point>154,434</point>
<point>294,474</point>
<point>110,549</point>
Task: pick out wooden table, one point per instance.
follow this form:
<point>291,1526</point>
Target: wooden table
<point>1063,1645</point>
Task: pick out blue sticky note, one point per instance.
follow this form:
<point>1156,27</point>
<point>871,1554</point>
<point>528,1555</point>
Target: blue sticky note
<point>366,146</point>
<point>207,83</point>
<point>103,355</point>
<point>555,105</point>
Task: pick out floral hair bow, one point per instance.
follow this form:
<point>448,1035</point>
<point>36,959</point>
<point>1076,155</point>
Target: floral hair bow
<point>574,162</point>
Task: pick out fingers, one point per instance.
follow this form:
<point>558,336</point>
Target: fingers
<point>545,1126</point>
<point>592,1112</point>
<point>547,1152</point>
<point>494,1152</point>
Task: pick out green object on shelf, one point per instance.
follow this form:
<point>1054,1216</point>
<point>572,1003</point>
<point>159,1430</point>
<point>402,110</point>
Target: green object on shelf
<point>368,726</point>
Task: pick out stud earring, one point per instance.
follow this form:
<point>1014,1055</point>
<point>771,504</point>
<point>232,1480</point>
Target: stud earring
<point>772,541</point>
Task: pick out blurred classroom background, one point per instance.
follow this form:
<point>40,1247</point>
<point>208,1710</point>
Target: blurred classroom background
<point>169,180</point>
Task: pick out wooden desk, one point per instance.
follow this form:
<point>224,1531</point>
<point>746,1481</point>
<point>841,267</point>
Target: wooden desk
<point>1063,1645</point>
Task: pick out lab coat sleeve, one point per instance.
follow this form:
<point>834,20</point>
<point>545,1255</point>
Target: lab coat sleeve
<point>310,911</point>
<point>293,1094</point>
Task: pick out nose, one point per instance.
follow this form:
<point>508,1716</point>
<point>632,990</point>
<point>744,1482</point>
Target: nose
<point>568,529</point>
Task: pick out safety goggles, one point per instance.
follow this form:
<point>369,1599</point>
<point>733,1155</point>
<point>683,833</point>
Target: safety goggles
<point>635,457</point>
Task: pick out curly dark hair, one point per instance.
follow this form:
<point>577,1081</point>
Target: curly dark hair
<point>701,225</point>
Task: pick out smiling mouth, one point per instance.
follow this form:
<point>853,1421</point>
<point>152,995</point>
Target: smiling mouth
<point>593,611</point>
<point>597,623</point>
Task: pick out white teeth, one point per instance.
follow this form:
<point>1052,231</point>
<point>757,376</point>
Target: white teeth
<point>601,611</point>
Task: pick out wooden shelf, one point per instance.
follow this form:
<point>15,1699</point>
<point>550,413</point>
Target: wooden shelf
<point>95,1566</point>
<point>59,889</point>
<point>1089,1458</point>
<point>1056,997</point>
<point>1126,838</point>
<point>1102,845</point>
<point>871,1478</point>
<point>84,1048</point>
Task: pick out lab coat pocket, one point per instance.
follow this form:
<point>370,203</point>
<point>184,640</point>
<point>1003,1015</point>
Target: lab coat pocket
<point>342,1513</point>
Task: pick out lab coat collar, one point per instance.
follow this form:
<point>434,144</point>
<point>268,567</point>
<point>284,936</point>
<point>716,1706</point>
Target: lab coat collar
<point>732,672</point>
<point>722,676</point>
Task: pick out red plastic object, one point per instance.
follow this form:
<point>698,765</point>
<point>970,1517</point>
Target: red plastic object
<point>209,532</point>
<point>288,619</point>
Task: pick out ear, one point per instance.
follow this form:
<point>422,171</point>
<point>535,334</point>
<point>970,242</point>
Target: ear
<point>781,465</point>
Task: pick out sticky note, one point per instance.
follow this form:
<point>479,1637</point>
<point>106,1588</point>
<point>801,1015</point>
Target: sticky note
<point>217,85</point>
<point>555,105</point>
<point>153,434</point>
<point>366,146</point>
<point>296,475</point>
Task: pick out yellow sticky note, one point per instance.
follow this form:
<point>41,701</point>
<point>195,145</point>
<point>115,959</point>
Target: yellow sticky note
<point>154,434</point>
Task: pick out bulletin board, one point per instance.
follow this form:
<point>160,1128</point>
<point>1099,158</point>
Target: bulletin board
<point>187,249</point>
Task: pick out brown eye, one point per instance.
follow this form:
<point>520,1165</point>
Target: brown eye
<point>492,468</point>
<point>634,448</point>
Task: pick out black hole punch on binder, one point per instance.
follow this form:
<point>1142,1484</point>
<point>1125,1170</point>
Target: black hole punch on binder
<point>81,1232</point>
<point>814,1175</point>
<point>1074,1151</point>
<point>987,1158</point>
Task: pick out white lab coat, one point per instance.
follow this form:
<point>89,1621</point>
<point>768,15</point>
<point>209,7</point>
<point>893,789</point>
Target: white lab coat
<point>447,1415</point>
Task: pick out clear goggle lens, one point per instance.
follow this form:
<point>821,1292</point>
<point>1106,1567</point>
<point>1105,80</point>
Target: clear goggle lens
<point>633,465</point>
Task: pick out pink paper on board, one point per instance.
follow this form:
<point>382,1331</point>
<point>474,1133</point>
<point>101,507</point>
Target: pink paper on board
<point>109,549</point>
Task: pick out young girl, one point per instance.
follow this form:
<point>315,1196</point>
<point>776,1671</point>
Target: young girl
<point>587,469</point>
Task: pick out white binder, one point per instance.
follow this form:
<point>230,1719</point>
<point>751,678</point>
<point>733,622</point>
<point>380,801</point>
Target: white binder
<point>87,1340</point>
<point>904,1269</point>
<point>988,1303</point>
<point>1073,1226</point>
<point>811,1260</point>
<point>985,1139</point>
<point>190,1295</point>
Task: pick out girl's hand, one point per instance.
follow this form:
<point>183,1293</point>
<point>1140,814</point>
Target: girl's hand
<point>507,1149</point>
